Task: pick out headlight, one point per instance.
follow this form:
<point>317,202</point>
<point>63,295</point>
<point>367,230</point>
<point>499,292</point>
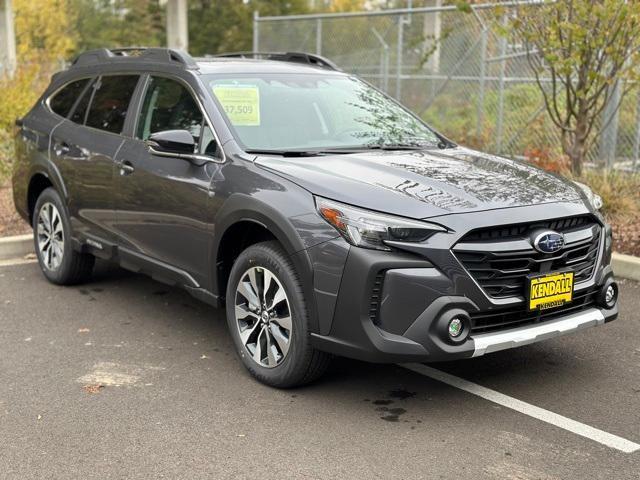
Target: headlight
<point>370,229</point>
<point>594,198</point>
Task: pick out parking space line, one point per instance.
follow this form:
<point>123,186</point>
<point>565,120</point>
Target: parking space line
<point>600,436</point>
<point>17,261</point>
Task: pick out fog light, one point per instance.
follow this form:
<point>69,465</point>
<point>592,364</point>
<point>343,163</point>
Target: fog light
<point>455,327</point>
<point>610,295</point>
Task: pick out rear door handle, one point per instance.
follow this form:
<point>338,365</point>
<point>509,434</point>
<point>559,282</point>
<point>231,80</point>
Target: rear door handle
<point>126,168</point>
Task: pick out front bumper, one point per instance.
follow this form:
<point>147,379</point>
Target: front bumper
<point>517,337</point>
<point>402,314</point>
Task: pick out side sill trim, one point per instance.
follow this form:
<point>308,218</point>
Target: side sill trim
<point>493,342</point>
<point>152,261</point>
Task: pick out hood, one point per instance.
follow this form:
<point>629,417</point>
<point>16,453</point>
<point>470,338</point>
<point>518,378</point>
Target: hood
<point>422,184</point>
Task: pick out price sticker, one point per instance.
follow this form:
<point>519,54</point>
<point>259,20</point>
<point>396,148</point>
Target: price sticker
<point>241,104</point>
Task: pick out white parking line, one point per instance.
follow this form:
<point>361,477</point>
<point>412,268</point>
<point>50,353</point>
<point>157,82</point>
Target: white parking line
<point>17,261</point>
<point>608,439</point>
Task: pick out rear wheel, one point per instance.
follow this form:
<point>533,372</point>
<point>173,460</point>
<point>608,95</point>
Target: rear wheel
<point>268,319</point>
<point>59,262</point>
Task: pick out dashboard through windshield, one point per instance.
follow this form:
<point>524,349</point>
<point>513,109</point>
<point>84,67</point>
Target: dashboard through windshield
<point>274,112</point>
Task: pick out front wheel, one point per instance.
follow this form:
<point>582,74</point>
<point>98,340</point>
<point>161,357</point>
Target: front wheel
<point>268,319</point>
<point>59,262</point>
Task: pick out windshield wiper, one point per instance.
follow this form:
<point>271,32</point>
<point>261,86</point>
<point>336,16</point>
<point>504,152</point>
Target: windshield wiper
<point>299,153</point>
<point>397,146</point>
<point>410,146</point>
<point>286,153</point>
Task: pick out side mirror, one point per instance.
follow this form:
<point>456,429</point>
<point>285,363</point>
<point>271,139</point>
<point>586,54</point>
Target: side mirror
<point>179,142</point>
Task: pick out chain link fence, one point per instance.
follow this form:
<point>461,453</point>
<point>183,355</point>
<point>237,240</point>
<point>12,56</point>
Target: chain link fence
<point>456,71</point>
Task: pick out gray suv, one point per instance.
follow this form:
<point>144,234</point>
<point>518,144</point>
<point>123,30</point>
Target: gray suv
<point>325,217</point>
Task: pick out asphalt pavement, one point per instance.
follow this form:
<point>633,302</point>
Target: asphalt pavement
<point>127,378</point>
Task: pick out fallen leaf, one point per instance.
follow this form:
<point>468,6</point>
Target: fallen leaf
<point>92,388</point>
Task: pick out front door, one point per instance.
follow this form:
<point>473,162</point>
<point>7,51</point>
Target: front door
<point>162,213</point>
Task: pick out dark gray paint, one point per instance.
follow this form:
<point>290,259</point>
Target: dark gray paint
<point>422,184</point>
<point>168,217</point>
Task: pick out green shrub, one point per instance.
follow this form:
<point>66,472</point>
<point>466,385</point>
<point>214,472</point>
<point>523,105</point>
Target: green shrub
<point>6,155</point>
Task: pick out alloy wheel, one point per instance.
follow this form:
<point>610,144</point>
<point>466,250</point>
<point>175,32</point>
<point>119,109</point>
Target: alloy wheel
<point>50,234</point>
<point>263,316</point>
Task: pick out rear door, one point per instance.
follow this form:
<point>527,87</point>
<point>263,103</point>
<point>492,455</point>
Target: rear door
<point>162,201</point>
<point>33,143</point>
<point>87,144</point>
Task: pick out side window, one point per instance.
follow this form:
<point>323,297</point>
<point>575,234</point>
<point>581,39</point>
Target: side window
<point>62,101</point>
<point>80,111</point>
<point>168,105</point>
<point>110,102</point>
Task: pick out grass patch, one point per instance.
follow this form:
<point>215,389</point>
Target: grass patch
<point>620,191</point>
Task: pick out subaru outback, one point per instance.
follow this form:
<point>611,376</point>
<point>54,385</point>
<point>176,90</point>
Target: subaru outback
<point>323,215</point>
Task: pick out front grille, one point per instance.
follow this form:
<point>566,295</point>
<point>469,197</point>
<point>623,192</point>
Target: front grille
<point>376,298</point>
<point>503,273</point>
<point>483,322</point>
<point>520,230</point>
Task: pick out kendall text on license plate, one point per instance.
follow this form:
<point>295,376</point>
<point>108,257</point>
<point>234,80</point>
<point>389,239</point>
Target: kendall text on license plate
<point>550,290</point>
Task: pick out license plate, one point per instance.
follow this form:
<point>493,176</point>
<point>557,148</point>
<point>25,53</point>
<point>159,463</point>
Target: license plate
<point>550,290</point>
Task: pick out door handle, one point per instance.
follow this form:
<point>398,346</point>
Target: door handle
<point>61,148</point>
<point>126,168</point>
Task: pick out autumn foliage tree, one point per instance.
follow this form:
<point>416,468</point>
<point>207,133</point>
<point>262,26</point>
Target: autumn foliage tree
<point>44,37</point>
<point>584,48</point>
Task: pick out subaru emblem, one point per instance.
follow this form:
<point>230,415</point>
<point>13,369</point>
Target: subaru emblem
<point>548,241</point>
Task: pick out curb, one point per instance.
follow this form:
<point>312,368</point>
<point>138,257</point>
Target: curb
<point>624,266</point>
<point>16,247</point>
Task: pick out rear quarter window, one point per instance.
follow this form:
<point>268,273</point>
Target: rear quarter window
<point>111,101</point>
<point>62,102</point>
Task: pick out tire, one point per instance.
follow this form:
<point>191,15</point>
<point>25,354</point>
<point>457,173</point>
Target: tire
<point>59,262</point>
<point>294,361</point>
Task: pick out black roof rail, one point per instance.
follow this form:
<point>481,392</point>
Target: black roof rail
<point>142,54</point>
<point>295,57</point>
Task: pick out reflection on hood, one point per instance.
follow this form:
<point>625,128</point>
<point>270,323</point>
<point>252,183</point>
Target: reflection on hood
<point>420,184</point>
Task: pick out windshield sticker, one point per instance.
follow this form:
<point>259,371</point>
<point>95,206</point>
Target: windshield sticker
<point>241,103</point>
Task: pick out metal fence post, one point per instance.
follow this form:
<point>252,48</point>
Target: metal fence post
<point>503,66</point>
<point>256,31</point>
<point>384,60</point>
<point>319,36</point>
<point>636,142</point>
<point>609,134</point>
<point>481,85</point>
<point>399,57</point>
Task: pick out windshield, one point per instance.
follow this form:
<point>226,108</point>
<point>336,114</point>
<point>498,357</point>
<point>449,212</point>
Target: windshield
<point>273,112</point>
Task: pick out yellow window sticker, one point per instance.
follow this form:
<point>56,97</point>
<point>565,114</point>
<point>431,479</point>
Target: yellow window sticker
<point>241,103</point>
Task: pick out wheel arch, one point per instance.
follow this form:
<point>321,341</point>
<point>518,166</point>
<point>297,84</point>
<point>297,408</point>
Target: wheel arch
<point>245,221</point>
<point>38,183</point>
<point>40,178</point>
